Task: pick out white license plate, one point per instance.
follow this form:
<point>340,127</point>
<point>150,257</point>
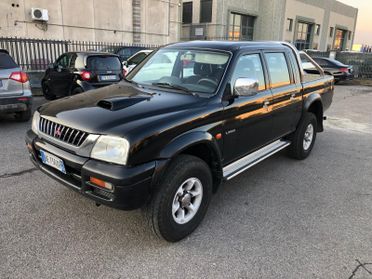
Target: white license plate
<point>53,161</point>
<point>108,77</point>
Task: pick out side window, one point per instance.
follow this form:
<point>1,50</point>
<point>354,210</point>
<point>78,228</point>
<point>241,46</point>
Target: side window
<point>278,69</point>
<point>137,59</point>
<point>63,61</point>
<point>72,60</point>
<point>250,66</point>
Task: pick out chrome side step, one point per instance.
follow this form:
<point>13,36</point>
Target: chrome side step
<point>237,167</point>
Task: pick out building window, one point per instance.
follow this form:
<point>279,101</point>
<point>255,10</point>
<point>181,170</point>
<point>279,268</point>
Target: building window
<point>290,24</point>
<point>206,11</point>
<point>317,32</point>
<point>331,32</point>
<point>187,12</point>
<point>241,27</point>
<point>304,35</point>
<point>340,39</point>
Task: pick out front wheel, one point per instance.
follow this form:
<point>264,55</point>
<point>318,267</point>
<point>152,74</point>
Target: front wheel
<point>304,137</point>
<point>48,95</point>
<point>181,199</point>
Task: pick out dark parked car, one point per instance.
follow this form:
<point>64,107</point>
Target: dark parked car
<point>123,52</point>
<point>76,72</point>
<point>15,92</point>
<point>335,68</point>
<point>170,134</point>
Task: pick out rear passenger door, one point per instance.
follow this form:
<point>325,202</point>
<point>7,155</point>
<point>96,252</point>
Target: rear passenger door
<point>286,89</point>
<point>248,119</point>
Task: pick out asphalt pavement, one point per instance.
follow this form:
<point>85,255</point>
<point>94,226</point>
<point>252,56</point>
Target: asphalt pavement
<point>281,219</point>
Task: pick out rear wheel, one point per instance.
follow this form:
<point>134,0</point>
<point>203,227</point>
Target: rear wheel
<point>182,198</point>
<point>23,116</point>
<point>77,90</point>
<point>304,137</point>
<point>47,92</point>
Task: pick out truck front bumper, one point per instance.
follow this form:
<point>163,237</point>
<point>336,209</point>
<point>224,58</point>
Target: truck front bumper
<point>131,185</point>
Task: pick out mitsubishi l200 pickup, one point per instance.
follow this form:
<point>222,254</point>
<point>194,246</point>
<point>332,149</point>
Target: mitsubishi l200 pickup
<point>190,116</point>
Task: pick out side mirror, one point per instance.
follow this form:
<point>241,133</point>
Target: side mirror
<point>51,66</point>
<point>245,87</point>
<point>125,63</point>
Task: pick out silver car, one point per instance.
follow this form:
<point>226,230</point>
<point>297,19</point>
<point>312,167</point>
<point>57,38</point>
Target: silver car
<point>15,91</point>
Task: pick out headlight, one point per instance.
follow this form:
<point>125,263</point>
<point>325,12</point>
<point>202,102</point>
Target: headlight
<point>35,122</point>
<point>111,149</point>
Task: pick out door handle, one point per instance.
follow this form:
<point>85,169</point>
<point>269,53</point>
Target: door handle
<point>266,104</point>
<point>293,97</point>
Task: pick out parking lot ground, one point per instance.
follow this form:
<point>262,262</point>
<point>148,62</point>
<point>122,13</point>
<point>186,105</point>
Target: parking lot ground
<point>281,219</point>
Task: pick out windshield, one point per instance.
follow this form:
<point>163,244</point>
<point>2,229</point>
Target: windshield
<point>188,70</point>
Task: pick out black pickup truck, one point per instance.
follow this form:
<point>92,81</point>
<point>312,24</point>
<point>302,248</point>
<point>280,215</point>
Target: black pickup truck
<point>190,116</point>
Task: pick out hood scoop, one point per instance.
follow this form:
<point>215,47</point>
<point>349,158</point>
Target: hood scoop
<point>118,103</point>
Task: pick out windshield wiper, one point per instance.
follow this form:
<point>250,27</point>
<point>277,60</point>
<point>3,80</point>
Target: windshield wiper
<point>175,86</point>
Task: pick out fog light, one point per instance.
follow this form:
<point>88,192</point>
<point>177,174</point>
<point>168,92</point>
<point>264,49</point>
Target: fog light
<point>100,183</point>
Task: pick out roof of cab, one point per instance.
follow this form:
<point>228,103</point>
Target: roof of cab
<point>227,45</point>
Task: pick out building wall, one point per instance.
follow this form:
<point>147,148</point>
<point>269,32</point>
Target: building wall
<point>271,18</point>
<point>93,20</point>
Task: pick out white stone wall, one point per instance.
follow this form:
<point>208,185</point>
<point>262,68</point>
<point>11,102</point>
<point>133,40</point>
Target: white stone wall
<point>271,18</point>
<point>92,20</point>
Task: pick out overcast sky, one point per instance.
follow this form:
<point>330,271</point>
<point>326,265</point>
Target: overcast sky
<point>364,26</point>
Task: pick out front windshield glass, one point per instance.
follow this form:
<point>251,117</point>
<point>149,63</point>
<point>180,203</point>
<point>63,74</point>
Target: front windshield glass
<point>187,70</point>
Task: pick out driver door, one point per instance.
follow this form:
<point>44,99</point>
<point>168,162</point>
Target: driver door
<point>248,118</point>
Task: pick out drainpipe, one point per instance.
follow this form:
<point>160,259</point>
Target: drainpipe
<point>136,21</point>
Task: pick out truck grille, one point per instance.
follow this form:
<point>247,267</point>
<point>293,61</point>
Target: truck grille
<point>63,133</point>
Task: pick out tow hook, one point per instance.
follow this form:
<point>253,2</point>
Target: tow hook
<point>324,117</point>
<point>98,204</point>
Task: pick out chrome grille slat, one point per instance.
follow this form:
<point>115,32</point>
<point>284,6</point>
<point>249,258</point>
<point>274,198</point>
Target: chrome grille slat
<point>81,138</point>
<point>64,136</point>
<point>63,133</point>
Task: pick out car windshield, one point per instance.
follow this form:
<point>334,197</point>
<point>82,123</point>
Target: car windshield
<point>184,70</point>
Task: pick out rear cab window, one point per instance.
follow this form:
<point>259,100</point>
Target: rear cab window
<point>104,63</point>
<point>7,62</point>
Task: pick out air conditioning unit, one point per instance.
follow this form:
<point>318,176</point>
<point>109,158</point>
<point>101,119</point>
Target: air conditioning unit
<point>39,14</point>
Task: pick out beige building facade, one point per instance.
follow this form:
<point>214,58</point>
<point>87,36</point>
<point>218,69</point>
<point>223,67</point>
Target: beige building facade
<point>115,21</point>
<point>309,24</point>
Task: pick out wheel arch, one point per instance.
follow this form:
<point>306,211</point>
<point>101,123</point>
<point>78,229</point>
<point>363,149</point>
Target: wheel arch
<point>199,144</point>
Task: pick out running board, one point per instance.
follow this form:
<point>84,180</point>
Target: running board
<point>237,167</point>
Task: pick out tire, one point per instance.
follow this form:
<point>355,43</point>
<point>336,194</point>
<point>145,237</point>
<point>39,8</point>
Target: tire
<point>46,92</point>
<point>304,137</point>
<point>77,90</point>
<point>23,116</point>
<point>184,172</point>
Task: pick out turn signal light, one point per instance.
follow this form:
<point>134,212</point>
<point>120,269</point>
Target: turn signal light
<point>101,183</point>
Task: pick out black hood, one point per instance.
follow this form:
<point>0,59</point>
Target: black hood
<point>118,108</point>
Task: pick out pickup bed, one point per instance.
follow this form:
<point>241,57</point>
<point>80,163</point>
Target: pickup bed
<point>188,117</point>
